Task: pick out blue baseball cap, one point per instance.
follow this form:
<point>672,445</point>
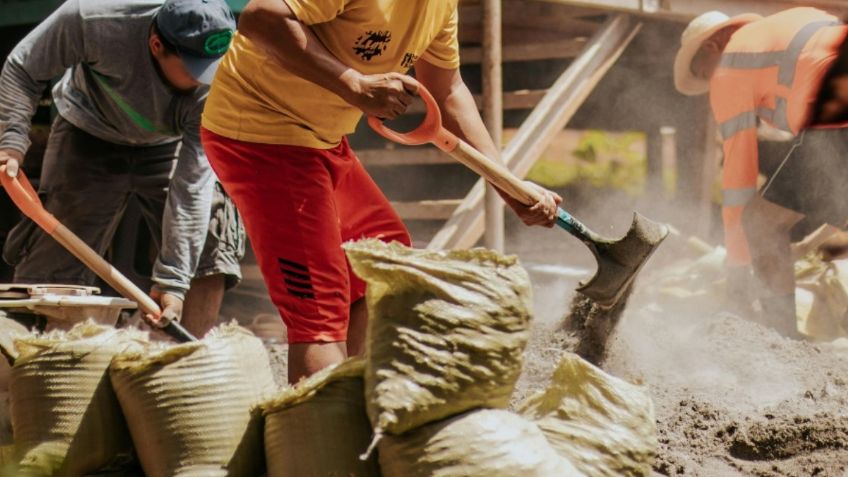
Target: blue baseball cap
<point>201,31</point>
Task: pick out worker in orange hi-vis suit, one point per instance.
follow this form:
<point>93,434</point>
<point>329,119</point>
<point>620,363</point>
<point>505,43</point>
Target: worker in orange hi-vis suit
<point>789,70</point>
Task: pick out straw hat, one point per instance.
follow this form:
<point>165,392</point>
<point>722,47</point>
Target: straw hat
<point>699,31</point>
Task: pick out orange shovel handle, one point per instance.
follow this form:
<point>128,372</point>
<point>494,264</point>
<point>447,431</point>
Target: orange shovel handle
<point>432,131</point>
<point>25,197</point>
<point>429,131</point>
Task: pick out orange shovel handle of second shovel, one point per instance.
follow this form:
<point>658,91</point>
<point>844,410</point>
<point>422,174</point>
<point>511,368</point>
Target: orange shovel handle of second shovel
<point>25,197</point>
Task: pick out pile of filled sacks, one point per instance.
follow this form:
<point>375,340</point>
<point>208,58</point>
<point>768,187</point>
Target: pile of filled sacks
<point>97,399</point>
<point>447,332</point>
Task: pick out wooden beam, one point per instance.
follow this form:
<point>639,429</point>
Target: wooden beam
<point>403,156</point>
<point>563,99</point>
<point>684,10</point>
<point>472,36</point>
<point>492,108</point>
<point>539,15</point>
<point>710,167</point>
<point>522,99</point>
<point>426,209</point>
<point>558,48</point>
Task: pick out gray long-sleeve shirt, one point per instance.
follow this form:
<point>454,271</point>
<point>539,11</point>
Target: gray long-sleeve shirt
<point>112,89</point>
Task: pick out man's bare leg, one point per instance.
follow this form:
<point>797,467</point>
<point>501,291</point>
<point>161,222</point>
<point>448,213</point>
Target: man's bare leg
<point>306,359</point>
<point>358,328</point>
<point>203,304</point>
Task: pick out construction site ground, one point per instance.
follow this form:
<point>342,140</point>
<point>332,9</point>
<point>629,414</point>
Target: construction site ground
<point>732,397</point>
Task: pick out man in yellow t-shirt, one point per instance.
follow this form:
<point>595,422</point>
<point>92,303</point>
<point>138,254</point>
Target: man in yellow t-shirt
<point>295,82</point>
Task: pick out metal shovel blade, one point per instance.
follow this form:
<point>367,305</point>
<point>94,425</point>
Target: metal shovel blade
<point>176,331</point>
<point>620,260</point>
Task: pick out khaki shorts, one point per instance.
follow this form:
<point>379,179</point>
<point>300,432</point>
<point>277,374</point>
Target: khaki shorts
<point>87,183</point>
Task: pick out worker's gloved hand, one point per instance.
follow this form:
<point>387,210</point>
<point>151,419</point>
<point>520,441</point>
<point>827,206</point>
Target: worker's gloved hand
<point>542,213</point>
<point>385,96</point>
<point>12,159</point>
<point>172,305</point>
<point>739,292</point>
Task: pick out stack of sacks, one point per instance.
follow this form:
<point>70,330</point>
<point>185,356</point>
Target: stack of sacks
<point>65,416</point>
<point>319,427</point>
<point>190,407</point>
<point>446,336</point>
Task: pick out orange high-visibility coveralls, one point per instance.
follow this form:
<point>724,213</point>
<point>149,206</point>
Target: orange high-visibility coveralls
<point>771,69</point>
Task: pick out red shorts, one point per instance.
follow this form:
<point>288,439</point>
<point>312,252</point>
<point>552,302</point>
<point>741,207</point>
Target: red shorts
<point>299,205</point>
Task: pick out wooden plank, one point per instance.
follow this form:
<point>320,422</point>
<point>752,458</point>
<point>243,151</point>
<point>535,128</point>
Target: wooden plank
<point>563,99</point>
<point>426,209</point>
<point>686,9</point>
<point>539,15</point>
<point>30,12</point>
<point>402,157</point>
<point>557,48</point>
<point>710,166</point>
<point>492,108</point>
<point>522,99</point>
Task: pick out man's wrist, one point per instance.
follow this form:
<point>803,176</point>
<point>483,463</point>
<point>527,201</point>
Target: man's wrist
<point>351,84</point>
<point>13,151</point>
<point>170,290</point>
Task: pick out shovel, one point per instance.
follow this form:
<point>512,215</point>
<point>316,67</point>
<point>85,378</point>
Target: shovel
<point>618,260</point>
<point>23,195</point>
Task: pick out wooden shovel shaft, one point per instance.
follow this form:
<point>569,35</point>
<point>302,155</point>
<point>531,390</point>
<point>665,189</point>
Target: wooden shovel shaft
<point>496,173</point>
<point>499,175</point>
<point>104,270</point>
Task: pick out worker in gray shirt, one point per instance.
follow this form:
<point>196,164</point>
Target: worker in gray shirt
<point>135,76</point>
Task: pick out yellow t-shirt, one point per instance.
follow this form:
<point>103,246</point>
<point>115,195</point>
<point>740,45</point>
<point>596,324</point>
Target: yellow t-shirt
<point>255,99</point>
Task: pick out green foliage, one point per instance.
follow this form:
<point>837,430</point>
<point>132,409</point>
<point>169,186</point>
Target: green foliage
<point>601,159</point>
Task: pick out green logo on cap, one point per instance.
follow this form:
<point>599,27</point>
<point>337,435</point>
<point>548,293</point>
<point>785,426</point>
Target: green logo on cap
<point>216,44</point>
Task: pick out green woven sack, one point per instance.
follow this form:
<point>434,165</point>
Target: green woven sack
<point>490,443</point>
<point>65,416</point>
<point>603,425</point>
<point>446,331</point>
<point>319,427</point>
<point>190,406</point>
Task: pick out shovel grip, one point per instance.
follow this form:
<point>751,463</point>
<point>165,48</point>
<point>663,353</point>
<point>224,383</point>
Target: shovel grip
<point>429,131</point>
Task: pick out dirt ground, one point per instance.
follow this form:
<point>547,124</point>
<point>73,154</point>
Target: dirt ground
<point>732,398</point>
